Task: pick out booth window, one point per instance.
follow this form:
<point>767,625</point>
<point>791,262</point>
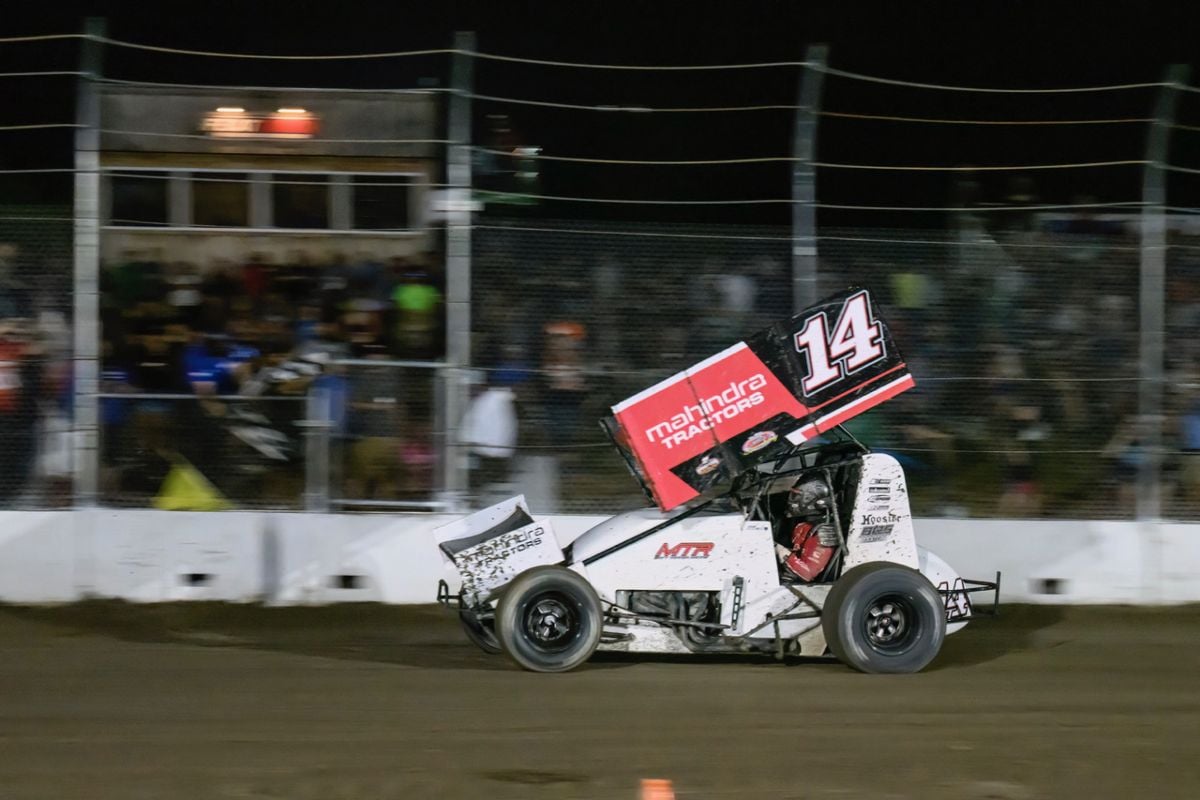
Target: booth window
<point>139,199</point>
<point>301,201</point>
<point>381,202</point>
<point>221,199</point>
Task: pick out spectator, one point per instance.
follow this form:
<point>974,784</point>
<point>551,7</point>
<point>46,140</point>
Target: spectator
<point>14,294</point>
<point>256,277</point>
<point>219,287</point>
<point>1189,450</point>
<point>1021,495</point>
<point>911,294</point>
<point>20,381</point>
<point>418,305</point>
<point>514,368</point>
<point>329,401</point>
<point>243,323</point>
<point>736,290</point>
<point>184,294</point>
<point>565,380</point>
<point>216,365</point>
<point>773,280</point>
<point>298,280</point>
<point>153,298</point>
<point>375,425</point>
<point>362,320</point>
<point>729,298</point>
<point>276,329</point>
<point>307,325</point>
<point>186,331</point>
<point>419,459</point>
<point>127,280</point>
<point>115,412</point>
<point>365,277</point>
<point>489,430</point>
<point>333,286</point>
<point>1126,453</point>
<point>328,342</point>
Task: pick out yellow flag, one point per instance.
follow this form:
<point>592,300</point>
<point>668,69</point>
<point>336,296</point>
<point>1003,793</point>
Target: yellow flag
<point>185,489</point>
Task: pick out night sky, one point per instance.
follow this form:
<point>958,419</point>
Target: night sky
<point>1014,44</point>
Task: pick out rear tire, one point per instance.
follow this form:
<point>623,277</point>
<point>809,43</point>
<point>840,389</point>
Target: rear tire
<point>482,633</point>
<point>884,618</point>
<point>549,620</point>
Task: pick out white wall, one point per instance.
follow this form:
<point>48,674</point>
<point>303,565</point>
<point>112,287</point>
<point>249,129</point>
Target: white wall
<point>39,556</point>
<point>383,557</point>
<point>153,556</point>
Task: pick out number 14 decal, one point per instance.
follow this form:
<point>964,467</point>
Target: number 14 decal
<point>856,342</point>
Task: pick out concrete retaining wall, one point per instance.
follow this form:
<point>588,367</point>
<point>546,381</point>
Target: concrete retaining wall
<point>157,556</point>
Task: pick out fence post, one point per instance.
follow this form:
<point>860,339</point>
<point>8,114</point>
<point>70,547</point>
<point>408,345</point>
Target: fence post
<point>318,423</point>
<point>1152,296</point>
<point>804,179</point>
<point>458,267</point>
<point>87,269</point>
<point>1152,299</point>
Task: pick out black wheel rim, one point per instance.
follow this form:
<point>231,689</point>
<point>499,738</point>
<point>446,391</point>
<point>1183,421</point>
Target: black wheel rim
<point>891,624</point>
<point>551,621</point>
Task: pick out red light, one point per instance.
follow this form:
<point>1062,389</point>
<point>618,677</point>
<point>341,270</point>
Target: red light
<point>299,125</point>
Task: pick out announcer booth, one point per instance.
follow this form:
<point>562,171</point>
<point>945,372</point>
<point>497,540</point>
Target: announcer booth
<point>247,226</point>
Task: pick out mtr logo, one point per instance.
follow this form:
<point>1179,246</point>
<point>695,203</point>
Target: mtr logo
<point>685,550</point>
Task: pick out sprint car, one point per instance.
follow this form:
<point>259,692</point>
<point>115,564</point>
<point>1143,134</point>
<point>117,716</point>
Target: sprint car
<point>776,531</point>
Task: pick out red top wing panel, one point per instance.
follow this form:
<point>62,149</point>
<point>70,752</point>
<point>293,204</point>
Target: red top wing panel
<point>694,410</point>
<point>783,386</point>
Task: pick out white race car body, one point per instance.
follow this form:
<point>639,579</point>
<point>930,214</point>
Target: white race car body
<point>729,557</point>
<point>777,531</point>
<point>735,557</point>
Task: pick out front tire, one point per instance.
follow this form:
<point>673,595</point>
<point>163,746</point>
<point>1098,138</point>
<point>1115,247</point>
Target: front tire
<point>884,618</point>
<point>549,620</point>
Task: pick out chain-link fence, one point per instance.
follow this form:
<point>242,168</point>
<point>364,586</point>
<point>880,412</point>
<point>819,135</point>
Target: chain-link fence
<point>1182,398</point>
<point>201,452</point>
<point>35,356</point>
<point>574,316</point>
<point>241,231</point>
<point>1023,339</point>
<point>1024,343</point>
<point>383,441</point>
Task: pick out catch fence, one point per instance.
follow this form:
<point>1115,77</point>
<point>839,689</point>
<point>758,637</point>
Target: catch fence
<point>1023,342</point>
<point>434,239</point>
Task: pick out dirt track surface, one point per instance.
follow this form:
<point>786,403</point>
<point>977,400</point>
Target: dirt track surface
<point>106,700</point>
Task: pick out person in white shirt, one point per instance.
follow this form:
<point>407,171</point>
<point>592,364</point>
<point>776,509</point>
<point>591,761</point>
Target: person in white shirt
<point>489,431</point>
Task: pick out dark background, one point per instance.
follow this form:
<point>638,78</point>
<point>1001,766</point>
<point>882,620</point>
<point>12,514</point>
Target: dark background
<point>1009,45</point>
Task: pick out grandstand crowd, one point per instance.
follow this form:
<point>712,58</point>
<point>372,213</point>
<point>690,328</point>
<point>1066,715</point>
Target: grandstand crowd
<point>1024,342</point>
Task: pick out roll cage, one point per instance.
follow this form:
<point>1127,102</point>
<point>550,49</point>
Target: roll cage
<point>751,492</point>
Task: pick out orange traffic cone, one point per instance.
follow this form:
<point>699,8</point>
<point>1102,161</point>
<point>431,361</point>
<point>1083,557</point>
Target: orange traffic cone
<point>657,789</point>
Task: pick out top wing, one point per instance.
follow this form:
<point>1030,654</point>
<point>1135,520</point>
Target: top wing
<point>781,387</point>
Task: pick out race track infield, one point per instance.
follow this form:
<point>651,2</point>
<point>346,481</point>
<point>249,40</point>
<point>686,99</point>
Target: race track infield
<point>107,700</point>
